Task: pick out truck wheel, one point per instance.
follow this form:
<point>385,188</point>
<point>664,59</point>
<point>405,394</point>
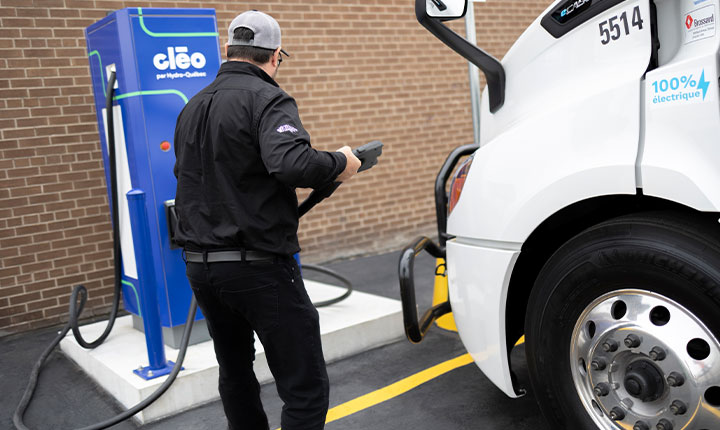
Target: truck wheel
<point>623,324</point>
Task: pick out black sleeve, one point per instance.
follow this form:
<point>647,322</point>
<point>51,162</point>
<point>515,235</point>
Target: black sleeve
<point>177,144</point>
<point>176,169</point>
<point>285,148</point>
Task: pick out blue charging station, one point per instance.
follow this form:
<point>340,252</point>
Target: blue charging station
<point>161,58</point>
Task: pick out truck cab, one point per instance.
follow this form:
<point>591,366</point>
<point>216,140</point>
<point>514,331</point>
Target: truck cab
<point>586,217</point>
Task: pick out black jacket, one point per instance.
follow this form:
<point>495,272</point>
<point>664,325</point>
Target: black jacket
<point>240,152</point>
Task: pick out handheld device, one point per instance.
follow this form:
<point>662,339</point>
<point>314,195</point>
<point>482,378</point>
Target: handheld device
<point>368,155</point>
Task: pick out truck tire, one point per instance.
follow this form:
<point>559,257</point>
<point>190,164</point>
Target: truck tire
<point>623,324</point>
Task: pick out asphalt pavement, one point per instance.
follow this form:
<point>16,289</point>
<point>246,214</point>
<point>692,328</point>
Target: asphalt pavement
<point>463,398</point>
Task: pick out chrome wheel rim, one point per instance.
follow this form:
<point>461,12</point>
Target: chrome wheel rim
<point>642,361</point>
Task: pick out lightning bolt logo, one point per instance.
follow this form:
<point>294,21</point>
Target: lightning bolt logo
<point>703,84</point>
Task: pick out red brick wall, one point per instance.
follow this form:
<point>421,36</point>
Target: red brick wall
<point>360,70</point>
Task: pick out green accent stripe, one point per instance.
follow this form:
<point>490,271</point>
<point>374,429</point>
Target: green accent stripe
<point>136,93</point>
<point>151,93</point>
<point>153,34</point>
<point>102,73</point>
<point>137,298</point>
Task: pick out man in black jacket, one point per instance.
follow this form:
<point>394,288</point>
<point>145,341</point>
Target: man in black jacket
<point>241,151</point>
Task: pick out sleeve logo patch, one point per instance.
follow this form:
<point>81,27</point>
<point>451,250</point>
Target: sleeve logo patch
<point>287,127</point>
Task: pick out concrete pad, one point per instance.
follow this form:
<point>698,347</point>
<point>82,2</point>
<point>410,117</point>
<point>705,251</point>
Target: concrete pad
<point>359,323</point>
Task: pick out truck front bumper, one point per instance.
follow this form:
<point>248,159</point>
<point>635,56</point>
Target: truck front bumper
<point>478,281</point>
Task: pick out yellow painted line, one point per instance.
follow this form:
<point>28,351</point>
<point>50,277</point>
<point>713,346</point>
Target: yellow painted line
<point>395,389</point>
<point>712,410</point>
<point>692,418</point>
<point>402,386</point>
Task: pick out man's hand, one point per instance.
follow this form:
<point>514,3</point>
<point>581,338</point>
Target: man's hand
<point>352,166</point>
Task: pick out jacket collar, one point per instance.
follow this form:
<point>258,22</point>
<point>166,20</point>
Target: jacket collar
<point>245,68</point>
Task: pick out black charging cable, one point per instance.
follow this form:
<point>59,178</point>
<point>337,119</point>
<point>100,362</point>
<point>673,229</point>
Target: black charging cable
<point>333,274</point>
<point>80,293</point>
<point>80,290</point>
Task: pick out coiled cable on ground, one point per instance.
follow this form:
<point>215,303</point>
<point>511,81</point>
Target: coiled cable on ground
<point>32,383</point>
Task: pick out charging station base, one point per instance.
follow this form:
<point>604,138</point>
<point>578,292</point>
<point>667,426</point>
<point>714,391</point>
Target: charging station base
<point>359,323</point>
<point>148,372</point>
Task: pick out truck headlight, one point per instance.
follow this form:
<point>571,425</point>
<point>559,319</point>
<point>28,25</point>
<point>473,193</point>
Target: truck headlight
<point>458,182</point>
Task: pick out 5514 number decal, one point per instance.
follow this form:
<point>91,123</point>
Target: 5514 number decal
<point>615,27</point>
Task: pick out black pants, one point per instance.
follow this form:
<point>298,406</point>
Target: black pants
<point>269,298</point>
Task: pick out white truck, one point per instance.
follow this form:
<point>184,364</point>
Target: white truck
<point>587,217</point>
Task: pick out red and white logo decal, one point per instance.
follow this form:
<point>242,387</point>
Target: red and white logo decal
<point>700,24</point>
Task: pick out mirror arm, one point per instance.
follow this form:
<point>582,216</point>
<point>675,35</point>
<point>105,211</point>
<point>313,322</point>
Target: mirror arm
<point>492,68</point>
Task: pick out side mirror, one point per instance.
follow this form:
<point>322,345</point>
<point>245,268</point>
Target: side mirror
<point>431,14</point>
<point>446,10</point>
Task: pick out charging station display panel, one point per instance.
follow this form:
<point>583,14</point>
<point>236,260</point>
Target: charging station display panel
<point>162,57</point>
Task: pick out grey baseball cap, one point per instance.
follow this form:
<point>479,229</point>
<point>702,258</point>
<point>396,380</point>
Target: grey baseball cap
<point>266,29</point>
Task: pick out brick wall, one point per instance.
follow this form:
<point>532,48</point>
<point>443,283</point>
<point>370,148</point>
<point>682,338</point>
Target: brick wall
<point>360,70</point>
